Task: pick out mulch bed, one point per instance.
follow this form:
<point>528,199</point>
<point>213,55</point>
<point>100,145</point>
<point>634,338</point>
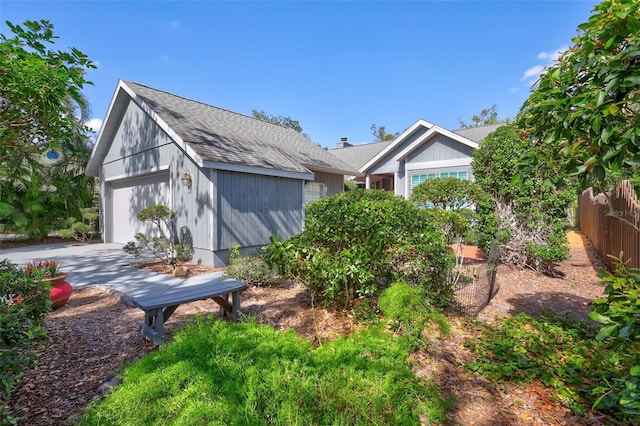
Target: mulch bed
<point>95,334</point>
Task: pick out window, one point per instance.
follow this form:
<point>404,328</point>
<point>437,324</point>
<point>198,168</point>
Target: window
<point>418,179</point>
<point>313,191</point>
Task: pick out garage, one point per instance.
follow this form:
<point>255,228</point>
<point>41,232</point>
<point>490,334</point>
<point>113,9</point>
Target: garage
<point>128,197</point>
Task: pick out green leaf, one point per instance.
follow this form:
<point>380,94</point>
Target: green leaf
<point>598,317</point>
<point>635,371</point>
<point>606,331</point>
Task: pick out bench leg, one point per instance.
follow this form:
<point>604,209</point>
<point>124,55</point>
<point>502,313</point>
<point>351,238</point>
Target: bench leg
<point>236,304</point>
<point>153,326</point>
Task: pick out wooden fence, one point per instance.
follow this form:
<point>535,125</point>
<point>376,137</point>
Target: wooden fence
<point>601,223</point>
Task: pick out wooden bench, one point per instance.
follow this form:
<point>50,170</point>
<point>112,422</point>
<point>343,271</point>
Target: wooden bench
<point>159,307</point>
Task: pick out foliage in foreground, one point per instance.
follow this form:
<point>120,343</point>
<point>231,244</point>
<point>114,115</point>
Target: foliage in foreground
<point>619,313</point>
<point>583,117</point>
<point>562,353</point>
<point>356,243</point>
<point>24,302</point>
<point>243,373</point>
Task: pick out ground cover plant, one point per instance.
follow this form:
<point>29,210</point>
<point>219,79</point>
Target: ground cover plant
<point>356,243</point>
<point>216,372</point>
<point>561,353</point>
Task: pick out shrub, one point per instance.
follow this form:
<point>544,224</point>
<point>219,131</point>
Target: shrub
<point>81,230</point>
<point>619,313</point>
<point>355,243</point>
<point>250,269</point>
<point>530,213</point>
<point>24,302</point>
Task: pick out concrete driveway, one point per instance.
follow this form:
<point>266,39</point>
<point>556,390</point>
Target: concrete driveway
<point>105,265</point>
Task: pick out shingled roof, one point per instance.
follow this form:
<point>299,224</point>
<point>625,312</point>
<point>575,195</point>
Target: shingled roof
<point>477,133</point>
<point>219,136</point>
<point>358,155</point>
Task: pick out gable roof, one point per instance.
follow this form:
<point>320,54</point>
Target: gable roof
<point>218,138</point>
<point>358,155</point>
<point>365,156</point>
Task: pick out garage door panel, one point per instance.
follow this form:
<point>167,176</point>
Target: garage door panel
<point>129,197</point>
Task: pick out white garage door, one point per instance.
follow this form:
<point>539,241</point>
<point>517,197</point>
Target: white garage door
<point>129,197</point>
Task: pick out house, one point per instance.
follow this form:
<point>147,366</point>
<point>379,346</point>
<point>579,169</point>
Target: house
<point>231,179</point>
<point>423,151</point>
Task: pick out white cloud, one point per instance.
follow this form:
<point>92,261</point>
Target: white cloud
<point>94,124</point>
<point>164,58</point>
<point>513,89</point>
<point>174,24</point>
<point>98,64</point>
<point>549,59</point>
<point>553,56</point>
<point>533,72</point>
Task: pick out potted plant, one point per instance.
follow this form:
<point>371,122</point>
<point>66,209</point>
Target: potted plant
<point>48,271</point>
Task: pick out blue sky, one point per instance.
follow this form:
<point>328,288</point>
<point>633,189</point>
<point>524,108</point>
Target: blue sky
<point>336,67</point>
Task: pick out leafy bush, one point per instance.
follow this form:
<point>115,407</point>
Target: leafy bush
<point>250,269</point>
<point>24,302</point>
<point>530,213</point>
<point>355,243</point>
<point>82,230</point>
<point>619,313</point>
<point>245,374</point>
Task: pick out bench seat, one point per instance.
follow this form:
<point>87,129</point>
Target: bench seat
<point>159,307</point>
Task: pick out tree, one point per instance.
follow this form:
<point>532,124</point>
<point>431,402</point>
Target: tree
<point>381,134</point>
<point>487,116</point>
<point>280,120</point>
<point>583,118</point>
<point>526,217</point>
<point>40,92</point>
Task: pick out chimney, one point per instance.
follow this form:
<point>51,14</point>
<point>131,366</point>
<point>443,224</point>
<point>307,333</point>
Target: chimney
<point>343,143</point>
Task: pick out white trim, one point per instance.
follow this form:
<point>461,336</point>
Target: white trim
<point>438,164</point>
<point>139,173</point>
<point>397,141</point>
<point>256,170</point>
<point>435,129</point>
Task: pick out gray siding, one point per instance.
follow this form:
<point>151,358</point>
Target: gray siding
<point>389,163</point>
<point>335,183</point>
<point>440,148</point>
<point>251,208</point>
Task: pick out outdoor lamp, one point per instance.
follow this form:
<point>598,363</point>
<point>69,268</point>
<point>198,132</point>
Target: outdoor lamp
<point>186,180</point>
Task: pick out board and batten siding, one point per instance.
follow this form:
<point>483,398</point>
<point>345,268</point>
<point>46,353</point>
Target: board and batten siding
<point>334,183</point>
<point>389,163</point>
<point>249,208</point>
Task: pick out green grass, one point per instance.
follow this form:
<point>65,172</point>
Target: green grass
<point>247,374</point>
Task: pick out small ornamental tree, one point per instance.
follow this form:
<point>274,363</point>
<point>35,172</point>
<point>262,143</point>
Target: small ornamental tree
<point>355,243</point>
<point>159,245</point>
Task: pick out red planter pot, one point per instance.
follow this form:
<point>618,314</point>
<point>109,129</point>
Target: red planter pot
<point>60,290</point>
<point>60,293</point>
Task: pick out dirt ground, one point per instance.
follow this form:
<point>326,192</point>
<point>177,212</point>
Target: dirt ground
<point>95,334</point>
